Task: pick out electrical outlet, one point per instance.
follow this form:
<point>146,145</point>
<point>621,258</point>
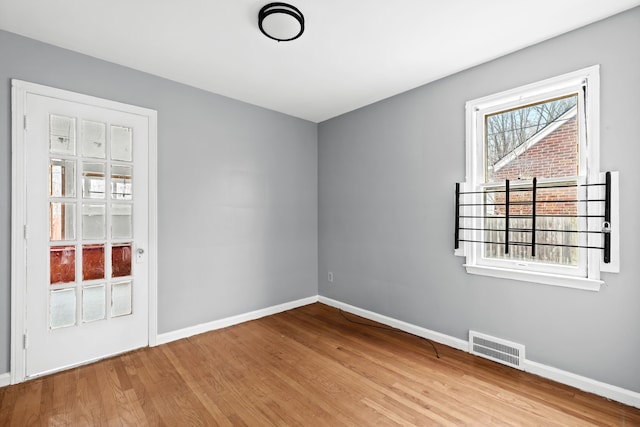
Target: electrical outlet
<point>330,276</point>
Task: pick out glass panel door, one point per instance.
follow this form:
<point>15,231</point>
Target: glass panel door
<point>86,212</point>
<point>83,256</point>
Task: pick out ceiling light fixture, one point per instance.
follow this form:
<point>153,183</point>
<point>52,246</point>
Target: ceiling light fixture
<point>281,22</point>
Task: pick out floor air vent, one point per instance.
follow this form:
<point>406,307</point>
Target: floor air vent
<point>496,349</point>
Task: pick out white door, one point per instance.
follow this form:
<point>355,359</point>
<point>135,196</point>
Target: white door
<point>86,234</point>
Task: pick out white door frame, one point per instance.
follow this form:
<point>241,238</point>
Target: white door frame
<point>19,91</point>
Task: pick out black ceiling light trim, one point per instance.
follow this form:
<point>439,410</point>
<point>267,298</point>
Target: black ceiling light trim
<point>285,8</point>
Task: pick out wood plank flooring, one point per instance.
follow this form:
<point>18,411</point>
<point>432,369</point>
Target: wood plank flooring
<point>304,367</point>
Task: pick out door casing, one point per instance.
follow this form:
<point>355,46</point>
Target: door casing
<point>19,122</point>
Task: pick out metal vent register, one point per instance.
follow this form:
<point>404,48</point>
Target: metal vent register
<point>496,349</point>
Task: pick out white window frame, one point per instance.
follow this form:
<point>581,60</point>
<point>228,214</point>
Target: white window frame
<point>586,83</point>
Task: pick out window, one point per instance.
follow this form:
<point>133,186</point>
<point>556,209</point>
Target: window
<point>537,142</point>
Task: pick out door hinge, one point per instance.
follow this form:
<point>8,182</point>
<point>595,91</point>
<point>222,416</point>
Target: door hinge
<point>25,341</point>
<point>26,231</point>
<point>24,122</point>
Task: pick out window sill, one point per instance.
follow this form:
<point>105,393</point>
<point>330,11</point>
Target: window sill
<point>535,277</point>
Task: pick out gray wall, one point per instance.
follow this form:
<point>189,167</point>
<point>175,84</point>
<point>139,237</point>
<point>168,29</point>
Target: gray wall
<point>386,181</point>
<point>237,189</point>
<point>243,236</point>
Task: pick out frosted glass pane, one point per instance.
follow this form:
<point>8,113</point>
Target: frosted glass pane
<point>120,299</point>
<point>93,221</point>
<point>93,303</point>
<point>62,308</point>
<point>93,182</point>
<point>121,182</point>
<point>62,264</point>
<point>62,178</point>
<point>94,139</point>
<point>62,221</point>
<point>121,221</point>
<point>92,262</point>
<point>62,135</point>
<point>121,260</point>
<point>121,141</point>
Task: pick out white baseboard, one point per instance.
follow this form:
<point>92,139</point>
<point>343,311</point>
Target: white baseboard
<point>399,324</point>
<point>5,379</point>
<point>233,320</point>
<point>608,391</point>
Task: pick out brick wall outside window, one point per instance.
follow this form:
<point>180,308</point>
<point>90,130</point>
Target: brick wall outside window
<point>554,156</point>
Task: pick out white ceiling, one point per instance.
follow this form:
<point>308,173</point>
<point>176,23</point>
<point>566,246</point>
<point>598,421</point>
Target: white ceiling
<point>352,53</point>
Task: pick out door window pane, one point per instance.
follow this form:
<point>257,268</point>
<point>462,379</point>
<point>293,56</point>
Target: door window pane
<point>62,135</point>
<point>62,178</point>
<point>121,260</point>
<point>93,182</point>
<point>92,262</point>
<point>93,302</point>
<point>93,139</point>
<point>62,306</point>
<point>62,221</point>
<point>121,141</point>
<point>121,299</point>
<point>93,221</point>
<point>121,221</point>
<point>121,182</point>
<point>62,264</point>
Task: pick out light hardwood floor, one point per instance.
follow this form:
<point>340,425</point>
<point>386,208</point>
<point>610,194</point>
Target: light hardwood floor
<point>309,367</point>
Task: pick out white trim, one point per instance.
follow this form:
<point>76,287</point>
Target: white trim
<point>609,391</point>
<point>399,324</point>
<point>19,91</point>
<point>153,229</point>
<point>599,388</point>
<point>5,379</point>
<point>18,245</point>
<point>536,277</point>
<point>584,82</point>
<point>535,89</point>
<point>233,320</point>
